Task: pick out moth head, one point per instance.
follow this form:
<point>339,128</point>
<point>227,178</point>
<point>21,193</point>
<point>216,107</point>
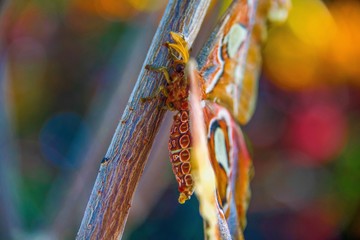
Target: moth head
<point>179,49</point>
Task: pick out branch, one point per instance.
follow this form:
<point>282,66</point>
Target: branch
<point>120,170</point>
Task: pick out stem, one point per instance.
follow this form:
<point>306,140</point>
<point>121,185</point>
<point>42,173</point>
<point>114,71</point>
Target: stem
<point>120,170</point>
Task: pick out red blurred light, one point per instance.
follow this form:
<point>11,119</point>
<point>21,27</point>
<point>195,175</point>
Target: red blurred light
<point>319,130</point>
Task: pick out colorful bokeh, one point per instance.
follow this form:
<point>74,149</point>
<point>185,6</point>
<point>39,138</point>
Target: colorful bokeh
<point>67,69</point>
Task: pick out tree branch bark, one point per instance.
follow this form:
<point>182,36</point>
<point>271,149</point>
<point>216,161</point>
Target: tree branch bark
<point>110,201</point>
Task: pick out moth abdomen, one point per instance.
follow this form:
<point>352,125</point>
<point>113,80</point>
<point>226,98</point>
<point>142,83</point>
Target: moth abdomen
<point>179,150</point>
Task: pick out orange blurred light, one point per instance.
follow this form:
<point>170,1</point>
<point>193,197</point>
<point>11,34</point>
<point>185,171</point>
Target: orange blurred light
<point>147,5</point>
<point>109,9</point>
<point>293,52</point>
<point>345,45</point>
<point>316,46</point>
<point>290,63</point>
<point>115,9</point>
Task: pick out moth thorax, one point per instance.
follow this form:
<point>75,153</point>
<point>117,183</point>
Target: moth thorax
<point>179,149</point>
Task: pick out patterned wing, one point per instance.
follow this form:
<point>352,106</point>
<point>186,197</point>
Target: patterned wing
<point>218,140</point>
<point>222,61</point>
<point>204,176</point>
<point>231,163</point>
<point>230,61</point>
<point>227,84</point>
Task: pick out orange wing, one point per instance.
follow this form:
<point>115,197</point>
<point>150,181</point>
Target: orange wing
<point>231,163</point>
<point>223,187</point>
<point>223,66</point>
<point>230,61</point>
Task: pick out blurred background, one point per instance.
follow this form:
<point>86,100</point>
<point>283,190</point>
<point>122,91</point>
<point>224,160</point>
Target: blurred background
<point>67,69</point>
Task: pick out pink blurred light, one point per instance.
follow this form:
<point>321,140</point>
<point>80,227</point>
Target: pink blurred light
<point>313,223</point>
<point>318,130</point>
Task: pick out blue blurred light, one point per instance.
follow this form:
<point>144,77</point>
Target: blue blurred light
<point>58,136</point>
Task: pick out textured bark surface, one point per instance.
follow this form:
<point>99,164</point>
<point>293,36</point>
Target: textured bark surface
<point>110,201</point>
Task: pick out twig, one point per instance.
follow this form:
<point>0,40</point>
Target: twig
<point>110,200</point>
<point>153,184</point>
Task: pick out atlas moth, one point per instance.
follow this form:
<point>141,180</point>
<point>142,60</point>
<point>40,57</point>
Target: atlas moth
<point>224,92</point>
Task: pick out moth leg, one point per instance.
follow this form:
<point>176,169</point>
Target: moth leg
<point>169,106</point>
<point>162,89</point>
<point>162,70</point>
<point>172,53</point>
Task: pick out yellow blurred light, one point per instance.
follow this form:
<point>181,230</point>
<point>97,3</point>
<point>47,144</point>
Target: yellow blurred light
<point>311,22</point>
<point>146,5</point>
<point>317,45</point>
<point>289,62</point>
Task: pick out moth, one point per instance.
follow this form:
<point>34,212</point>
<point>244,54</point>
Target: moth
<point>226,91</point>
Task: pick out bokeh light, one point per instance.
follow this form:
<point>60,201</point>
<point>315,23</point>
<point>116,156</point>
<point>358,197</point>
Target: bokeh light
<point>67,69</point>
<point>317,45</point>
